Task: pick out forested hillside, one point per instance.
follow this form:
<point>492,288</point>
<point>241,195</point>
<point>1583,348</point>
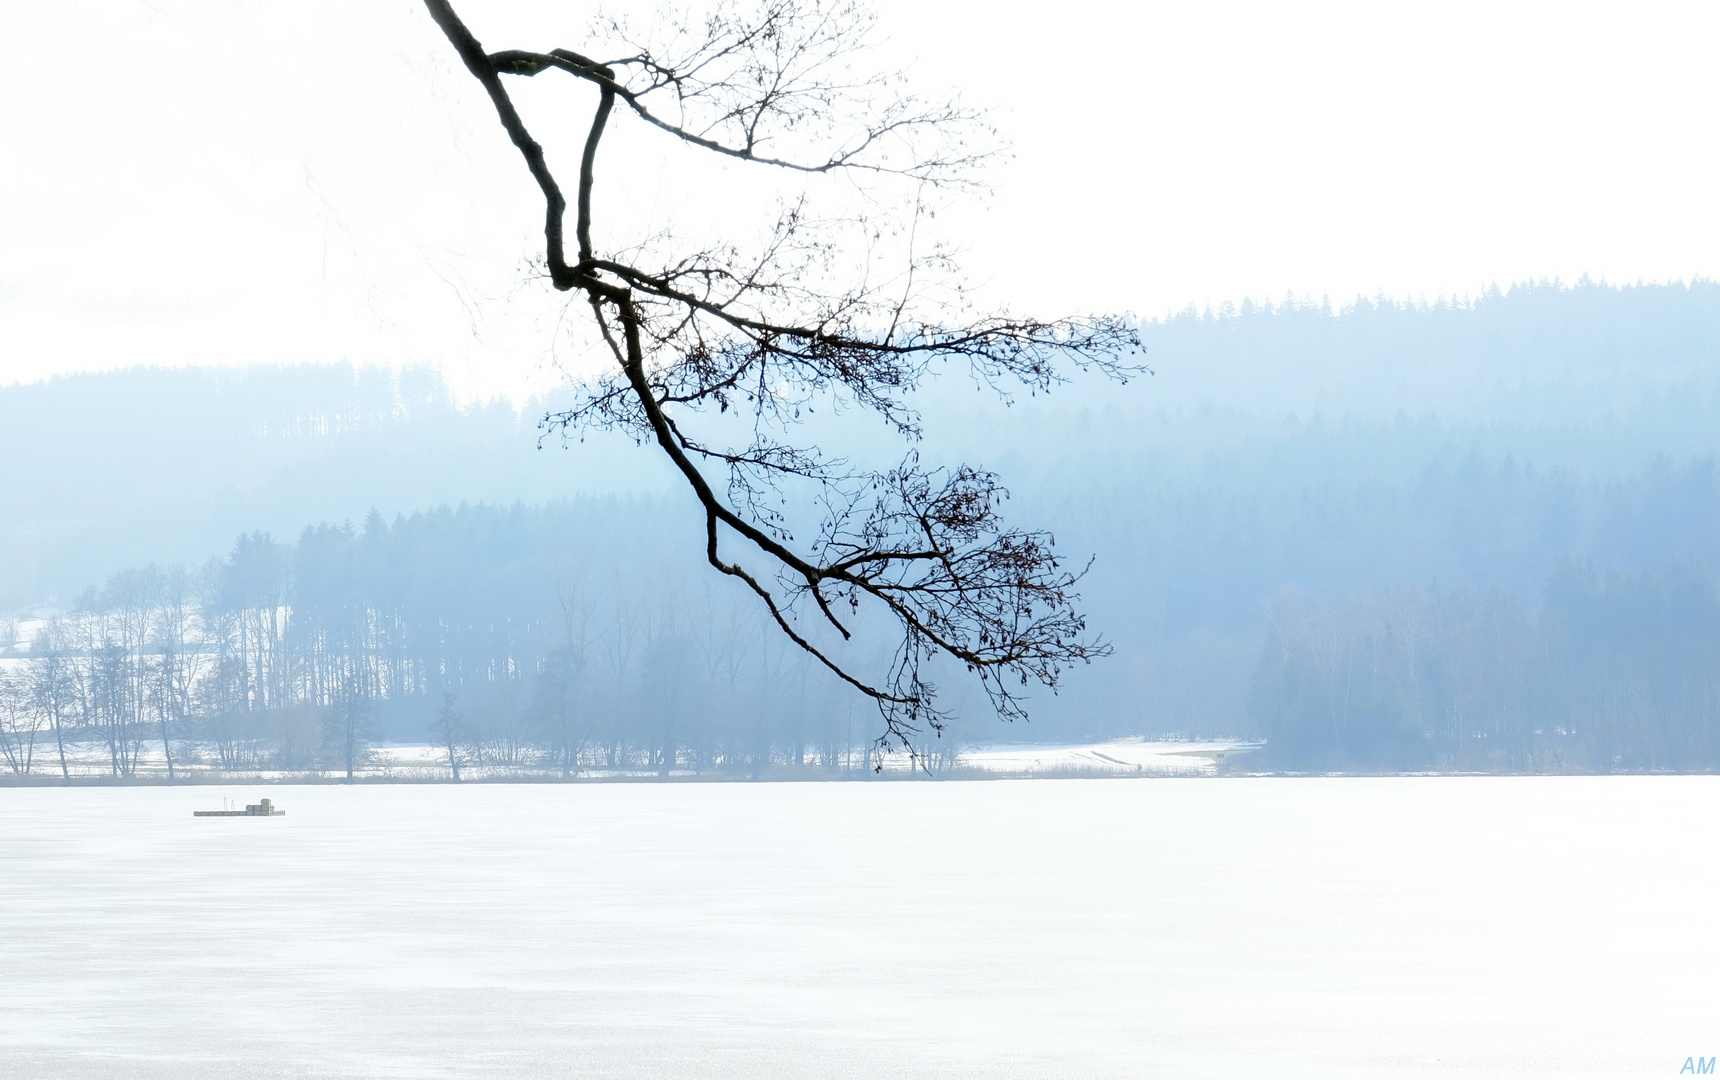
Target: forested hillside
<point>1388,536</point>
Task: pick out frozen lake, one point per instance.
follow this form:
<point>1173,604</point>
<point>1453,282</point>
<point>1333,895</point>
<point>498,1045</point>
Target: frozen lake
<point>1429,927</point>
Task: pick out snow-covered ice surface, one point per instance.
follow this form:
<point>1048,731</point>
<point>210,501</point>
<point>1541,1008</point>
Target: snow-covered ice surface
<point>1425,927</point>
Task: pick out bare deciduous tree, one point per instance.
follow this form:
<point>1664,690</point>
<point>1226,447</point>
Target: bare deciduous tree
<point>53,684</point>
<point>449,730</point>
<point>349,725</point>
<point>180,660</point>
<point>718,353</point>
<point>20,721</point>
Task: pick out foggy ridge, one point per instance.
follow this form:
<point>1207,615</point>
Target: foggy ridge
<point>1300,498</point>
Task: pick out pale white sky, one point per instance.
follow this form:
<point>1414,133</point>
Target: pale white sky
<point>239,182</point>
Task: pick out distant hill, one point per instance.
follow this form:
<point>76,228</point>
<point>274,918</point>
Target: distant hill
<point>110,469</point>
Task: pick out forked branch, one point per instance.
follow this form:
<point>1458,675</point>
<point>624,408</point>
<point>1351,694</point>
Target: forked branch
<point>714,334</point>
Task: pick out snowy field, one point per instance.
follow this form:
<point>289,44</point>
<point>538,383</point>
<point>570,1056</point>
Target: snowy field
<point>1124,756</point>
<point>1425,927</point>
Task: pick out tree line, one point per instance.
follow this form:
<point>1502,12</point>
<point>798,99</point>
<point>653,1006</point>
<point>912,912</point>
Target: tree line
<point>575,636</point>
<point>1612,671</point>
<point>572,637</point>
<point>492,633</point>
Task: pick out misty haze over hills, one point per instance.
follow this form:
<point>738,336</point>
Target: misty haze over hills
<point>1297,495</point>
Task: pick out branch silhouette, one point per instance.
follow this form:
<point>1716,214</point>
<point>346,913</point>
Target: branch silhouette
<point>766,337</point>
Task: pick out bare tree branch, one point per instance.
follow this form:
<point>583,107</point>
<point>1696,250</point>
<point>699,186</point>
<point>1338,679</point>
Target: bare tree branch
<point>723,340</point>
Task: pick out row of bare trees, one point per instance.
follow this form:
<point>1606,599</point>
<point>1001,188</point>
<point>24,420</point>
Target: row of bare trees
<point>1614,671</point>
<point>484,631</point>
<point>120,672</point>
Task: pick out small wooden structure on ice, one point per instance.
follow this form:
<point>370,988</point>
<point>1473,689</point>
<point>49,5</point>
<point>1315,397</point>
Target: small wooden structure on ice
<point>262,809</point>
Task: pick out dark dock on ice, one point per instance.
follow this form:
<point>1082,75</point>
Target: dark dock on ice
<point>262,809</point>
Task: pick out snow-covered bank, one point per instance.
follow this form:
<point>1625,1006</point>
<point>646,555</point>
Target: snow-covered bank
<point>1121,756</point>
<point>409,762</point>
